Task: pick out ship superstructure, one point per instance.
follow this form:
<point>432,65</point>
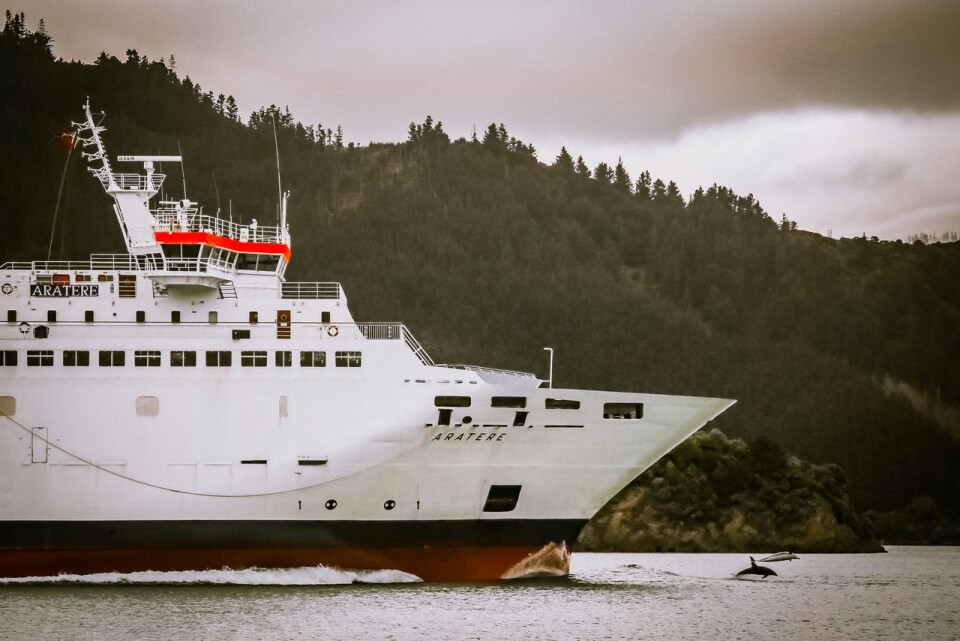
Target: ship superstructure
<point>182,406</point>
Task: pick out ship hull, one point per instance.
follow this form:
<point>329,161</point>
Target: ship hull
<point>438,551</point>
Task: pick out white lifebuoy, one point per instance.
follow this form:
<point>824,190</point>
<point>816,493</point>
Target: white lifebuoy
<point>7,288</point>
<point>332,331</point>
<point>24,327</point>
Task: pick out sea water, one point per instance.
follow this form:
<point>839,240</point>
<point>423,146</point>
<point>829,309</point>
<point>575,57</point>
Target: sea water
<point>908,593</point>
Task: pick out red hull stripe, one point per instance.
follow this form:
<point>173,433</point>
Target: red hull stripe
<point>445,551</point>
<point>205,238</point>
<point>439,565</point>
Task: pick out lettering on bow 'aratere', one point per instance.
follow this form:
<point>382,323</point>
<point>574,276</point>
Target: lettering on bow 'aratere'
<point>469,436</point>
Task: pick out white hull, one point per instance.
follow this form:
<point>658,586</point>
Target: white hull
<point>189,391</point>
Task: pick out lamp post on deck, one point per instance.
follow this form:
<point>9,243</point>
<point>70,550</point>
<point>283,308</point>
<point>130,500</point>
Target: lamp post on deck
<point>550,378</point>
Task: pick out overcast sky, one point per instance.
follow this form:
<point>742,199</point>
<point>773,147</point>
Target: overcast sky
<point>845,115</point>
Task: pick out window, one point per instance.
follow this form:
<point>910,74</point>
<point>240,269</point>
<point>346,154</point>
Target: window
<point>141,316</point>
<point>253,359</point>
<point>146,358</point>
<point>315,359</point>
<point>623,410</point>
<point>148,406</point>
<point>212,318</point>
<point>88,316</point>
<point>502,498</point>
<point>284,359</point>
<point>562,404</point>
<point>110,358</point>
<point>254,318</point>
<point>51,316</point>
<point>348,359</point>
<point>175,316</point>
<point>76,358</point>
<point>516,402</point>
<point>219,359</point>
<point>183,359</point>
<point>11,316</point>
<point>452,401</point>
<point>40,357</point>
<point>8,358</point>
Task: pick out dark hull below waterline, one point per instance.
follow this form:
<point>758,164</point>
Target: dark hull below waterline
<point>439,551</point>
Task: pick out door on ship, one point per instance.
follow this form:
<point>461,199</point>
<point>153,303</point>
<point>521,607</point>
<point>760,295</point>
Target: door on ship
<point>38,445</point>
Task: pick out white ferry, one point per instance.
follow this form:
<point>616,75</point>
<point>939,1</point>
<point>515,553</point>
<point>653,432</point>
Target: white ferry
<point>183,407</point>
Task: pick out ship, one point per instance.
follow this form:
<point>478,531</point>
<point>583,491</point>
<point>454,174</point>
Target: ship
<point>182,406</point>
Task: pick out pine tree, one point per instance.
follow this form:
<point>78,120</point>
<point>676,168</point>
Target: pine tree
<point>643,190</point>
<point>581,168</point>
<point>564,162</point>
<point>602,173</point>
<point>621,179</point>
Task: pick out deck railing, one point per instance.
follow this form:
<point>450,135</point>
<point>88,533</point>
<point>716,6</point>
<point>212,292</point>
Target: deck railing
<point>138,182</point>
<point>99,262</point>
<point>492,370</point>
<point>311,291</point>
<point>170,217</point>
<point>395,331</point>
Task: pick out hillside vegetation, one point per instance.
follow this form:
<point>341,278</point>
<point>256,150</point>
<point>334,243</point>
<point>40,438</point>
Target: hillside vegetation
<point>835,349</point>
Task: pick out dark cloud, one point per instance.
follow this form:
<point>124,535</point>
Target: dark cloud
<point>871,54</point>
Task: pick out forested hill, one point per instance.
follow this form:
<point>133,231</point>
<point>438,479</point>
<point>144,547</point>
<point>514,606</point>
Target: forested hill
<point>841,351</point>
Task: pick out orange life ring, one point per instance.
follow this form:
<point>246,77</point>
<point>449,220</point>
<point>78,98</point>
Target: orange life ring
<point>332,331</point>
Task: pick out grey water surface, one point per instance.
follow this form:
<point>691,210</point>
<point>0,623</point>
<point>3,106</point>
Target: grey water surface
<point>908,593</point>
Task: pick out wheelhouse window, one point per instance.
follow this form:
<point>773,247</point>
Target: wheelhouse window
<point>348,359</point>
<point>284,359</point>
<point>183,359</point>
<point>112,358</point>
<point>76,358</point>
<point>314,359</point>
<point>452,401</point>
<point>146,358</point>
<point>219,358</point>
<point>8,358</point>
<point>253,359</point>
<point>562,404</point>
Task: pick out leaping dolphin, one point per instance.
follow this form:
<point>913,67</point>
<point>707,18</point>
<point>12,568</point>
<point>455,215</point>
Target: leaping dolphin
<point>779,556</point>
<point>761,571</point>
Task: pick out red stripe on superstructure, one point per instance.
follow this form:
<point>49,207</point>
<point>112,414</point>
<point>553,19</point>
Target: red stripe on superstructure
<point>206,238</point>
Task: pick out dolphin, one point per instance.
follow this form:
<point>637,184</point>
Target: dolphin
<point>761,571</point>
<point>779,556</point>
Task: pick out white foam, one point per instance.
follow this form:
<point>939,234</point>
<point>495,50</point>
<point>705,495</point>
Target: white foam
<point>226,576</point>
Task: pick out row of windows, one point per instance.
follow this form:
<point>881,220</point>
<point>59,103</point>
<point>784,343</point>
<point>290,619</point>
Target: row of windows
<point>141,316</point>
<point>628,410</point>
<point>152,358</point>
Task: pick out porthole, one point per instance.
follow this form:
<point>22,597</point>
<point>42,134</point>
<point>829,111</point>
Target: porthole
<point>389,505</point>
<point>331,504</point>
<point>468,419</point>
